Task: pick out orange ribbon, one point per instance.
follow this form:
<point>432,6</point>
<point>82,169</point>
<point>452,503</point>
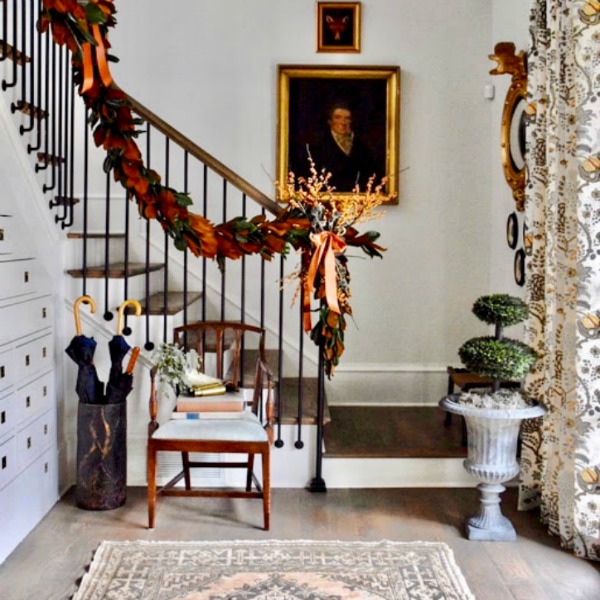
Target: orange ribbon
<point>327,244</point>
<point>88,66</point>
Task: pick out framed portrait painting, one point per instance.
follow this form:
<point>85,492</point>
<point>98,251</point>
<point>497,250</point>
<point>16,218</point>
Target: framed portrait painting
<point>338,26</point>
<point>345,119</point>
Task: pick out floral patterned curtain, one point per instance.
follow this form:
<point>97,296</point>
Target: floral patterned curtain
<point>561,457</point>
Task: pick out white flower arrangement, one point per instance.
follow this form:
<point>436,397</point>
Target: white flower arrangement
<point>175,365</point>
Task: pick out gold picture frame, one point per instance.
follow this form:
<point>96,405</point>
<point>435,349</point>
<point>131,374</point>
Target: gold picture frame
<point>514,118</point>
<point>338,26</point>
<point>369,97</point>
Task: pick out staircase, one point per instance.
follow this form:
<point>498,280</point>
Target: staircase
<point>112,255</point>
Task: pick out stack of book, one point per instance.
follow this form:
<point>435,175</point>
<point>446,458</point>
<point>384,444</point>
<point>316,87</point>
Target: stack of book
<point>209,405</point>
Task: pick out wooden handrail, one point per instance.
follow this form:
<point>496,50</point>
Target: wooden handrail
<point>203,156</point>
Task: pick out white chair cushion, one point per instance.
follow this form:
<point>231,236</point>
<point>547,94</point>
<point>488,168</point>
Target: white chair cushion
<point>244,428</point>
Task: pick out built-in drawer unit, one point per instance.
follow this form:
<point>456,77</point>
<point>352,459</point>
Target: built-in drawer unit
<point>8,417</point>
<point>7,371</point>
<point>35,439</point>
<point>26,317</point>
<point>33,356</point>
<point>23,276</point>
<point>8,235</point>
<point>34,398</point>
<point>8,461</point>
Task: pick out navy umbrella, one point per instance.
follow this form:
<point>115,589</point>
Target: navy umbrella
<point>81,350</point>
<point>120,382</point>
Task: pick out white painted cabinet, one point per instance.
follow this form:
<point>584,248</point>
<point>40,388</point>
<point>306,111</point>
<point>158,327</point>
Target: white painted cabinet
<point>28,438</point>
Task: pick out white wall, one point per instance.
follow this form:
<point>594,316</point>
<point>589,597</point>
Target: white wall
<point>209,68</point>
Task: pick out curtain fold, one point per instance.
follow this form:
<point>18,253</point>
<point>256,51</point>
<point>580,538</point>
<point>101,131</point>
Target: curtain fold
<point>561,456</point>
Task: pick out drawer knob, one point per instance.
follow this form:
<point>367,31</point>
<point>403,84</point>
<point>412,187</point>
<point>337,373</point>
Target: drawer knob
<point>3,417</point>
<point>2,372</point>
<point>26,276</point>
<point>45,467</point>
<point>28,442</point>
<point>28,401</point>
<point>44,313</point>
<point>1,235</point>
<point>27,360</point>
<point>45,391</point>
<point>44,352</point>
<point>4,462</point>
<point>46,429</point>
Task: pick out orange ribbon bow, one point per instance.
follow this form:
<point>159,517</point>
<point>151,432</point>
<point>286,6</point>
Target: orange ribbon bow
<point>327,244</point>
<point>88,66</point>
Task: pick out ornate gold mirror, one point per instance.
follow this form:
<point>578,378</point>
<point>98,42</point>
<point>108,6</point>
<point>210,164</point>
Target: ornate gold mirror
<point>512,132</point>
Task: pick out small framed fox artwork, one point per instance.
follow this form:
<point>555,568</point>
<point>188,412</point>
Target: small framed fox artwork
<point>338,26</point>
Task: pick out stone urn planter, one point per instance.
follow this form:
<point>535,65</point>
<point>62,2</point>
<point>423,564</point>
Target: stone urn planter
<point>493,435</point>
<point>493,416</point>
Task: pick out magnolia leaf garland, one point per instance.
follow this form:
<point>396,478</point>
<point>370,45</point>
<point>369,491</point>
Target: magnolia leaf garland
<point>83,26</point>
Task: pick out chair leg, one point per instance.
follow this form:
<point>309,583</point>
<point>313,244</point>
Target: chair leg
<point>151,476</point>
<point>266,477</point>
<point>249,472</point>
<point>185,459</point>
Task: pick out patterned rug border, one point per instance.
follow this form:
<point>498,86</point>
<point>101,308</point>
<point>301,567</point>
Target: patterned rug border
<point>107,547</point>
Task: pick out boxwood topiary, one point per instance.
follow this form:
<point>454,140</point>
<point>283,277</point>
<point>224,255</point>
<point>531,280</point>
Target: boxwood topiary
<point>500,309</point>
<point>497,357</point>
<point>505,359</point>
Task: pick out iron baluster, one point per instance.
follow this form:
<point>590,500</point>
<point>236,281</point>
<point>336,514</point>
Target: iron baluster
<point>108,315</point>
<point>149,345</point>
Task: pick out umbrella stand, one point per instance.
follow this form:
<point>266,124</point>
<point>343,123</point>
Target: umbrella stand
<point>101,456</point>
<point>102,433</point>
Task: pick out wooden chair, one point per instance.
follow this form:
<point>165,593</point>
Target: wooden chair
<point>243,434</point>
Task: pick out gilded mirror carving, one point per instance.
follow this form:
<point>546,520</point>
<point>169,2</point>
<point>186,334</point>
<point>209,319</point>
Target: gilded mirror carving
<point>512,131</point>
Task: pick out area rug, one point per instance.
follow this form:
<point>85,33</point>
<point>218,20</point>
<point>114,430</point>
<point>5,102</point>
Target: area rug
<point>273,570</point>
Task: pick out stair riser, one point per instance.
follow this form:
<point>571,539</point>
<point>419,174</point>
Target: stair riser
<point>96,215</point>
<point>136,289</point>
<point>95,252</point>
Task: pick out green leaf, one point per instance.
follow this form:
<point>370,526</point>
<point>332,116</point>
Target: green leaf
<point>180,244</point>
<point>182,199</point>
<point>94,14</point>
<point>108,163</point>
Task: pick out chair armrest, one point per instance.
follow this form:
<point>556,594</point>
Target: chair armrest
<point>153,424</point>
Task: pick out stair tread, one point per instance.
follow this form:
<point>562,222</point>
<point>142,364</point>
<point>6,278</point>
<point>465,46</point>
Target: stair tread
<point>53,159</point>
<point>13,54</point>
<point>176,302</point>
<point>28,108</point>
<point>65,201</point>
<point>77,235</point>
<point>116,270</point>
<point>392,432</point>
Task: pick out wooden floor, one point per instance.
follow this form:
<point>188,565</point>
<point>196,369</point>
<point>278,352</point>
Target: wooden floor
<point>392,432</point>
<point>50,562</point>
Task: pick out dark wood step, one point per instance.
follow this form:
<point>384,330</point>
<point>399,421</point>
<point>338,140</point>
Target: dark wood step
<point>176,302</point>
<point>289,402</point>
<point>63,201</point>
<point>116,270</point>
<point>50,159</point>
<point>29,109</point>
<point>78,235</point>
<point>12,54</point>
<point>289,390</point>
<point>392,432</point>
